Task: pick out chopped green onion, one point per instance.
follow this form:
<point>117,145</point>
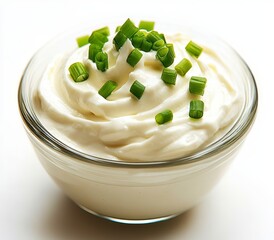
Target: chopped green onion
<point>158,44</point>
<point>171,51</point>
<point>101,60</point>
<point>166,55</point>
<point>194,49</point>
<point>107,88</point>
<point>169,76</point>
<point>119,40</point>
<point>137,89</point>
<point>82,41</point>
<point>146,45</point>
<point>183,67</point>
<point>98,38</point>
<point>118,28</point>
<point>163,117</point>
<point>134,57</point>
<point>138,38</point>
<point>78,72</point>
<point>153,36</point>
<point>103,30</point>
<point>161,53</point>
<point>196,109</point>
<point>162,37</point>
<point>93,50</point>
<point>197,85</point>
<point>128,28</point>
<point>147,25</point>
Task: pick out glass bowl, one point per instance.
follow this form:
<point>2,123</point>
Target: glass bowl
<point>134,192</point>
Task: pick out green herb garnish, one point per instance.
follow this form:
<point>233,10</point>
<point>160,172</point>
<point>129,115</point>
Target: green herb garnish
<point>183,67</point>
<point>164,116</point>
<point>101,60</point>
<point>196,109</point>
<point>82,41</point>
<point>78,72</point>
<point>169,76</point>
<point>134,57</point>
<point>194,49</point>
<point>137,89</point>
<point>107,88</point>
<point>147,25</point>
<point>119,40</point>
<point>197,85</point>
<point>128,28</point>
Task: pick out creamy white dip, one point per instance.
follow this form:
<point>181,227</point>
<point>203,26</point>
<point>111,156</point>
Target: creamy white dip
<point>122,127</point>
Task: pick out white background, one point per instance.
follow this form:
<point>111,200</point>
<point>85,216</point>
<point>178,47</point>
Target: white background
<point>240,207</point>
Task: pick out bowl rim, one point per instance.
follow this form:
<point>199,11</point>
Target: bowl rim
<point>239,129</point>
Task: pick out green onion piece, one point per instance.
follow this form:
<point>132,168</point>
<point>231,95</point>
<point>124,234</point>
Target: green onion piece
<point>163,117</point>
<point>183,67</point>
<point>137,89</point>
<point>196,109</point>
<point>119,40</point>
<point>128,28</point>
<point>166,55</point>
<point>134,57</point>
<point>194,49</point>
<point>98,39</point>
<point>153,36</point>
<point>138,38</point>
<point>147,25</point>
<point>171,51</point>
<point>101,60</point>
<point>107,88</point>
<point>78,72</point>
<point>197,85</point>
<point>161,53</point>
<point>118,28</point>
<point>93,50</point>
<point>158,44</point>
<point>82,41</point>
<point>103,30</point>
<point>162,37</point>
<point>146,46</point>
<point>169,76</point>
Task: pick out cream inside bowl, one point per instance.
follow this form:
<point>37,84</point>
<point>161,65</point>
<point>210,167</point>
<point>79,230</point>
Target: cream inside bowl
<point>108,154</point>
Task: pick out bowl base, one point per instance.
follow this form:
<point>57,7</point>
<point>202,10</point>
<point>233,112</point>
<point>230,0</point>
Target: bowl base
<point>129,221</point>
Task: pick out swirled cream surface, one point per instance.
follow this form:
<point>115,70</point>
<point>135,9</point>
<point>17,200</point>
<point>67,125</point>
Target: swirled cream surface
<point>122,127</point>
